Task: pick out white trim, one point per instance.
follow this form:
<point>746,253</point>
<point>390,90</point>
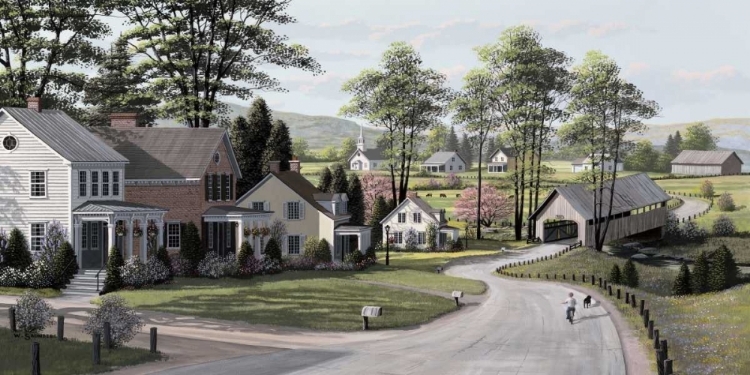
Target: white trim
<point>32,236</point>
<point>299,247</point>
<point>2,141</point>
<point>46,185</point>
<point>179,234</point>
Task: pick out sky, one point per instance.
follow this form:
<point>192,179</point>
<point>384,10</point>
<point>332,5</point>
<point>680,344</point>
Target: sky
<point>690,56</point>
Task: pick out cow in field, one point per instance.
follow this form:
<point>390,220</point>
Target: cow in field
<point>429,194</point>
<point>443,196</point>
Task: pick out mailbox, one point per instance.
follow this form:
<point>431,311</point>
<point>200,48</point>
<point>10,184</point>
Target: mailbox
<point>458,294</point>
<point>372,311</point>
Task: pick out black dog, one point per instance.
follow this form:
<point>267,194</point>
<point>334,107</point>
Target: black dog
<point>587,302</point>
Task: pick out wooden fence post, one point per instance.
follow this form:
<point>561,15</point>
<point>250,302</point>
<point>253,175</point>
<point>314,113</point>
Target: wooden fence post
<point>650,329</point>
<point>12,318</point>
<point>153,339</point>
<point>600,282</point>
<point>107,335</point>
<point>546,275</point>
<point>632,300</point>
<point>60,327</point>
<point>664,348</point>
<point>668,367</point>
<point>645,317</point>
<point>555,276</point>
<point>563,276</point>
<point>574,277</point>
<point>609,288</point>
<point>656,338</point>
<point>659,361</point>
<point>643,305</point>
<point>593,280</point>
<point>96,341</point>
<point>35,366</point>
<point>618,293</point>
<point>627,297</point>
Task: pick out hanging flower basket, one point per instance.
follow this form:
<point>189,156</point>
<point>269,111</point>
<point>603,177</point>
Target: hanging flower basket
<point>246,232</point>
<point>265,231</point>
<point>391,240</point>
<point>120,230</point>
<point>255,232</point>
<point>137,232</point>
<point>152,231</point>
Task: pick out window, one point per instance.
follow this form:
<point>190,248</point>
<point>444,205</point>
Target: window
<point>94,236</point>
<point>10,143</point>
<point>217,186</point>
<point>451,167</point>
<point>210,235</point>
<point>401,217</point>
<point>38,184</point>
<point>460,167</point>
<point>228,235</point>
<point>398,237</point>
<point>115,183</point>
<point>502,158</point>
<point>173,235</point>
<point>38,232</point>
<point>82,184</point>
<point>210,186</point>
<point>257,206</point>
<point>94,184</point>
<point>217,158</point>
<point>421,238</point>
<point>453,159</point>
<point>293,210</point>
<point>293,244</point>
<point>417,217</point>
<point>226,187</point>
<point>84,236</point>
<point>105,184</point>
<point>609,167</point>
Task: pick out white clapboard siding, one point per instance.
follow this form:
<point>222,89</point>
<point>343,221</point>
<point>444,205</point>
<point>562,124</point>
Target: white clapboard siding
<point>17,209</point>
<point>78,200</point>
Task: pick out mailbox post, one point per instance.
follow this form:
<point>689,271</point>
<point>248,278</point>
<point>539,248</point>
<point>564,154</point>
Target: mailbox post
<point>370,312</point>
<point>456,295</point>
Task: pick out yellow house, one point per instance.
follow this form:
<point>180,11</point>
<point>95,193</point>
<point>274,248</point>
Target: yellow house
<point>306,212</point>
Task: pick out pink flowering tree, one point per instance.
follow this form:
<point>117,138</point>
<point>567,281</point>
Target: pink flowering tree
<point>374,186</point>
<point>495,205</point>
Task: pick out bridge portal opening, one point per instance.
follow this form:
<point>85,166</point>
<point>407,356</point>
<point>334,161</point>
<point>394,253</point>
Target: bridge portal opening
<point>556,230</point>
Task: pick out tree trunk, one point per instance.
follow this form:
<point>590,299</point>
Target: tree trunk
<point>479,190</point>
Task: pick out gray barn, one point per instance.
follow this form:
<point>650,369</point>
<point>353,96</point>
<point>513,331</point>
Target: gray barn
<point>707,163</point>
<point>639,206</point>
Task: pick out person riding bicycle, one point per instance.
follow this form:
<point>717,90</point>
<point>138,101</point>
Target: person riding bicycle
<point>571,310</point>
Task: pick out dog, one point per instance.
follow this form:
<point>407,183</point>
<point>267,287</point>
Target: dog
<point>587,302</point>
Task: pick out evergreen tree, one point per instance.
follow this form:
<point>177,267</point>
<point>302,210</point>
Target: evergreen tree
<point>64,265</point>
<point>467,151</point>
<point>118,89</point>
<point>326,180</point>
<point>678,142</point>
<point>191,248</point>
<point>163,256</point>
<point>323,252</point>
<point>113,281</point>
<point>630,274</point>
<point>17,254</point>
<point>379,212</point>
<point>239,133</point>
<point>723,271</point>
<point>246,251</point>
<point>670,147</point>
<point>682,284</point>
<point>356,201</point>
<point>490,149</point>
<point>278,147</point>
<point>701,269</point>
<point>273,250</point>
<point>259,123</point>
<point>451,141</point>
<point>339,183</point>
<point>615,276</point>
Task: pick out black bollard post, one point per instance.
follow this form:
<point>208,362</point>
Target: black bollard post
<point>573,277</point>
<point>650,329</point>
<point>627,297</point>
<point>563,276</point>
<point>659,362</point>
<point>107,335</point>
<point>664,348</point>
<point>600,282</point>
<point>61,328</point>
<point>35,366</point>
<point>593,280</point>
<point>646,317</point>
<point>656,338</point>
<point>643,305</point>
<point>153,339</point>
<point>632,300</point>
<point>96,341</point>
<point>364,323</point>
<point>609,288</point>
<point>546,275</point>
<point>12,318</point>
<point>668,367</point>
<point>618,293</point>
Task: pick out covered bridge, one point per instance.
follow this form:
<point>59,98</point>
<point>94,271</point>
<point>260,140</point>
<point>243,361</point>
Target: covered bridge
<point>707,163</point>
<point>639,206</point>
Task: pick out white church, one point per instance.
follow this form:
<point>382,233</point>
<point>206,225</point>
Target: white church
<point>364,159</point>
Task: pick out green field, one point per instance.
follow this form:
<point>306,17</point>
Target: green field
<point>44,293</point>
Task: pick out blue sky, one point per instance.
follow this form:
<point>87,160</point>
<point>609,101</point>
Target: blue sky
<point>690,56</point>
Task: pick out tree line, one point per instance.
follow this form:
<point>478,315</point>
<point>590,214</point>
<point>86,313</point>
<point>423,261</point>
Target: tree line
<point>646,158</point>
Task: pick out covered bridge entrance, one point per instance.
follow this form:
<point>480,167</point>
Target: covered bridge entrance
<point>556,230</point>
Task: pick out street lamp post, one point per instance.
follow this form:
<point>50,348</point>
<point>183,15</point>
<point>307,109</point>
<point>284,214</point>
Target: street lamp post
<point>466,237</point>
<point>387,245</point>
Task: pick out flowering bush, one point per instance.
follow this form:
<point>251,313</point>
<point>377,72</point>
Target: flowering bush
<point>11,277</point>
<point>133,273</point>
<point>723,226</point>
<point>371,254</point>
<point>299,264</point>
<point>432,184</point>
<point>374,186</point>
<point>33,314</point>
<point>333,266</point>
<point>180,265</point>
<point>124,323</point>
<point>56,236</point>
<point>215,266</point>
<point>263,266</point>
<point>39,275</point>
<point>410,239</point>
<point>156,271</point>
<point>452,182</point>
<point>672,226</point>
<point>354,257</point>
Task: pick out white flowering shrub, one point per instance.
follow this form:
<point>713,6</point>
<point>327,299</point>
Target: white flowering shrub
<point>723,226</point>
<point>39,275</point>
<point>133,273</point>
<point>215,266</point>
<point>334,266</point>
<point>180,265</point>
<point>11,277</point>
<point>33,314</point>
<point>156,271</point>
<point>124,323</point>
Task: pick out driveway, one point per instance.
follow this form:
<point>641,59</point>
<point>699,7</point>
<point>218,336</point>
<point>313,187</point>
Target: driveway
<point>692,206</point>
<point>519,329</point>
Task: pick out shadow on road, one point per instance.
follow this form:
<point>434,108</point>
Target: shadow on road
<point>578,320</point>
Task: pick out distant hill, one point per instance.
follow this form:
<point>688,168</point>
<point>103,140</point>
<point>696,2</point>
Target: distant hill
<point>320,131</point>
<point>733,133</point>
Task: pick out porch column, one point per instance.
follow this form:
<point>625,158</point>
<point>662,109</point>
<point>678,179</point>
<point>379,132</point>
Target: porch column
<point>111,235</point>
<point>129,228</point>
<point>359,242</point>
<point>240,235</point>
<point>77,243</point>
<point>160,233</point>
<point>143,254</point>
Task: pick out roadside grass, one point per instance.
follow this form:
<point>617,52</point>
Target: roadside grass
<point>306,299</point>
<point>64,357</point>
<point>739,246</point>
<point>44,293</point>
<point>709,334</point>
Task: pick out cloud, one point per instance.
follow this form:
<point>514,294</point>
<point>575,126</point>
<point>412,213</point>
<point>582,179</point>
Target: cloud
<point>420,39</point>
<point>570,27</point>
<point>381,31</point>
<point>342,55</point>
<point>607,28</point>
<point>705,77</point>
<point>348,30</point>
<point>327,86</point>
<point>636,68</point>
<point>454,72</point>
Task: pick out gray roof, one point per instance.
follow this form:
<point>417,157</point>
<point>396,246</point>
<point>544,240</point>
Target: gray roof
<point>578,161</point>
<point>371,154</point>
<point>434,213</point>
<point>116,206</point>
<point>704,157</point>
<point>442,157</point>
<point>631,192</point>
<point>506,150</point>
<point>167,153</point>
<point>64,135</point>
<point>231,210</point>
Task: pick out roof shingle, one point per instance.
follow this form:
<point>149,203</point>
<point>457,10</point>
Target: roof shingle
<point>704,157</point>
<point>441,157</point>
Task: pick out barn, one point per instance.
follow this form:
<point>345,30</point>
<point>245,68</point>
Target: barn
<point>639,206</point>
<point>707,163</point>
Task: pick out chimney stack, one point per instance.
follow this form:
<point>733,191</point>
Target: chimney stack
<point>123,120</point>
<point>294,165</point>
<point>274,166</point>
<point>34,103</point>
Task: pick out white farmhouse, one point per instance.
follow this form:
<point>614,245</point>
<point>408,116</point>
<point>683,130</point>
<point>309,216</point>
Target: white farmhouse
<point>364,159</point>
<point>501,161</point>
<point>414,213</point>
<point>445,161</point>
<point>587,164</point>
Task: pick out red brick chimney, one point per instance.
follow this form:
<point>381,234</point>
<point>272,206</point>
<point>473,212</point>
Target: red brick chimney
<point>294,165</point>
<point>274,166</point>
<point>123,120</point>
<point>34,103</point>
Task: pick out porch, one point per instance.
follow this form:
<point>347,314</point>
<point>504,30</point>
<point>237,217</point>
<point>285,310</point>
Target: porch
<point>445,233</point>
<point>497,167</point>
<point>349,238</point>
<point>224,229</point>
<point>100,225</point>
<point>433,167</point>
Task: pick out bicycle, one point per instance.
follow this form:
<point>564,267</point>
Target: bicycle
<point>570,313</point>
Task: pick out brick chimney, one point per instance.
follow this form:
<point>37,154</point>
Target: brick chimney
<point>123,120</point>
<point>274,166</point>
<point>34,103</point>
<point>294,165</point>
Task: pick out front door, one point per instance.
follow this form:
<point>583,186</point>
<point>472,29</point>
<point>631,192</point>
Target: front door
<point>93,245</point>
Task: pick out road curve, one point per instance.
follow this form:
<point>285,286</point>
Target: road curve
<point>690,207</point>
<point>519,329</point>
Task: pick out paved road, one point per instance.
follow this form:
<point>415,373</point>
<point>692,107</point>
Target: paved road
<point>519,329</point>
<point>692,206</point>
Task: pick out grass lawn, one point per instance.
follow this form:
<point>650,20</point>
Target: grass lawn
<point>44,293</point>
<point>708,334</point>
<point>63,357</point>
<point>740,247</point>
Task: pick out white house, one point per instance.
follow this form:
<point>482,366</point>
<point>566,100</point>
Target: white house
<point>53,169</point>
<point>414,213</point>
<point>444,161</point>
<point>501,161</point>
<point>364,159</point>
<point>587,164</point>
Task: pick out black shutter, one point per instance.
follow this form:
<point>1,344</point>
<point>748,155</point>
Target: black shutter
<point>182,230</point>
<point>231,187</point>
<point>165,233</point>
<point>233,227</point>
<point>207,179</point>
<point>204,230</point>
<point>215,184</point>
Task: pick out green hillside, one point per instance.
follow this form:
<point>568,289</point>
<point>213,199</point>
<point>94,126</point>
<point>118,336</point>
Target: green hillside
<point>733,133</point>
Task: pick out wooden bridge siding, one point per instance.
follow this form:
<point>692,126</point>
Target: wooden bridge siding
<point>628,226</point>
<point>560,206</point>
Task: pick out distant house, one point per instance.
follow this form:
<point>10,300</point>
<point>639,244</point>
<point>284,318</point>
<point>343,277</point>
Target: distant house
<point>707,163</point>
<point>364,159</point>
<point>502,160</point>
<point>587,164</point>
<point>414,213</point>
<point>445,161</point>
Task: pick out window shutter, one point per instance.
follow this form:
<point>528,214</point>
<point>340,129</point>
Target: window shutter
<point>207,178</point>
<point>285,245</point>
<point>165,234</point>
<point>231,187</point>
<point>266,206</point>
<point>214,183</point>
<point>286,211</point>
<point>302,240</point>
<point>302,210</point>
<point>233,245</point>
<point>182,230</point>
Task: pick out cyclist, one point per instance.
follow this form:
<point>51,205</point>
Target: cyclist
<point>571,309</point>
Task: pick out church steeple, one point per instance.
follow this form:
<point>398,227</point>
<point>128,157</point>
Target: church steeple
<point>361,140</point>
